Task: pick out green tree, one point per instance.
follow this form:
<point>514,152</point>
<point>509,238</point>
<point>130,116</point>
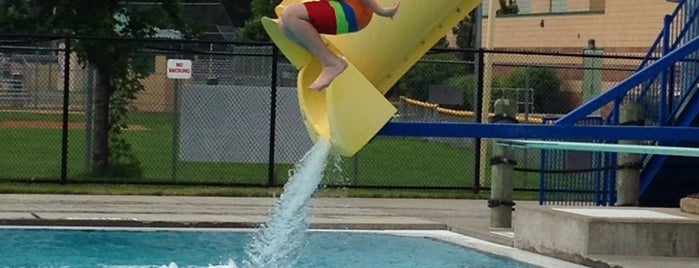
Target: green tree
<point>509,7</point>
<point>238,10</point>
<point>465,33</point>
<point>253,29</point>
<point>116,63</point>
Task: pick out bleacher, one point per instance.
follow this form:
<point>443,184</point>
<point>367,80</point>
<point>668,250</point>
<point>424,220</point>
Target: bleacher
<point>13,92</point>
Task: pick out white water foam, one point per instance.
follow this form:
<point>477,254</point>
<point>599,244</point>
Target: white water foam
<point>230,264</point>
<point>279,242</point>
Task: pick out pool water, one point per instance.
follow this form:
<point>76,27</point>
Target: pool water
<point>77,247</point>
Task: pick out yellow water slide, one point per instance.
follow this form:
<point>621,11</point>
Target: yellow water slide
<point>353,108</point>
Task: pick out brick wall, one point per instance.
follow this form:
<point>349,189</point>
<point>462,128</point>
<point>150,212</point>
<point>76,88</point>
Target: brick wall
<point>621,28</point>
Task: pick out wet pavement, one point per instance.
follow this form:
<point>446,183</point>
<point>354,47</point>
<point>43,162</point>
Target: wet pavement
<point>466,217</point>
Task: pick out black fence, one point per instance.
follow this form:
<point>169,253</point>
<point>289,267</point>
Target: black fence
<point>237,121</point>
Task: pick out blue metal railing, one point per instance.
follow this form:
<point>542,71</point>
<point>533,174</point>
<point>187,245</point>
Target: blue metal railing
<point>580,178</point>
<point>659,93</point>
<point>667,96</point>
<point>659,76</point>
<point>680,54</point>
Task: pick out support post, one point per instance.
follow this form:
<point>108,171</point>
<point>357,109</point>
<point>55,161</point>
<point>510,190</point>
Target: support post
<point>487,73</point>
<point>175,130</point>
<point>592,75</point>
<point>502,168</point>
<point>271,176</point>
<point>628,174</point>
<point>67,50</point>
<point>89,101</point>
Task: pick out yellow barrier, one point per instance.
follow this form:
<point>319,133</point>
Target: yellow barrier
<point>352,109</point>
<point>534,119</point>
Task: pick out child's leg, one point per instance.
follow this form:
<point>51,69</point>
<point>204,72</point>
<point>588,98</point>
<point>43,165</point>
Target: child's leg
<point>295,23</point>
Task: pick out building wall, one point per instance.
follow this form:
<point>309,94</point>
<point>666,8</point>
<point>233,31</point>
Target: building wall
<point>620,28</point>
<point>157,94</point>
<point>597,5</point>
<point>539,6</point>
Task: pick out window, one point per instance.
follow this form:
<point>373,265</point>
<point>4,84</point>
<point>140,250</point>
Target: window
<point>485,4</point>
<point>559,6</point>
<point>525,6</point>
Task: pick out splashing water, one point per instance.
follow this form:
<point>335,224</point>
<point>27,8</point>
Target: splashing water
<point>278,243</point>
<point>335,171</point>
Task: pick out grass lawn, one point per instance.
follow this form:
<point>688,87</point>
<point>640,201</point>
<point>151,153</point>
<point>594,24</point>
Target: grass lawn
<point>35,153</point>
<point>386,161</point>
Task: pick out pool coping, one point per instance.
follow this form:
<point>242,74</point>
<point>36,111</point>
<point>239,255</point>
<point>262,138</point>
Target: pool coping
<point>463,216</point>
<point>135,223</point>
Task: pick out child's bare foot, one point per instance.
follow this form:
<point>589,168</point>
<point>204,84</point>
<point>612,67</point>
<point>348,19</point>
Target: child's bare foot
<point>328,74</point>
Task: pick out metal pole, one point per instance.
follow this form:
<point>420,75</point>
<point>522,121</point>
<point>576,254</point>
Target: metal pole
<point>271,180</point>
<point>478,96</point>
<point>175,128</point>
<point>88,117</point>
<point>487,77</point>
<point>479,119</point>
<point>66,102</point>
<point>355,169</point>
<point>663,111</point>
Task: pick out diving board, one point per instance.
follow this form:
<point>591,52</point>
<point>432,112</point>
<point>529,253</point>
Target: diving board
<point>601,147</point>
<point>535,131</point>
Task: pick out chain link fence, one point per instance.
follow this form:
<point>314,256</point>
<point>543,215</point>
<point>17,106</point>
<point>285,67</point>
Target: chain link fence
<point>237,120</point>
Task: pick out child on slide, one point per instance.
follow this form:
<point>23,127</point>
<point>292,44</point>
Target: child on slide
<point>304,22</point>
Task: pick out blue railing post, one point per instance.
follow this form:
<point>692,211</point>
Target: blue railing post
<point>662,111</point>
<point>599,190</point>
<point>542,178</point>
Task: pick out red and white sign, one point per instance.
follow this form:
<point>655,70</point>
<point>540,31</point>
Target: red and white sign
<point>179,69</point>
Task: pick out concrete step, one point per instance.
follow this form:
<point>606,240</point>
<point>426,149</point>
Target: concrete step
<point>690,204</point>
<point>577,233</point>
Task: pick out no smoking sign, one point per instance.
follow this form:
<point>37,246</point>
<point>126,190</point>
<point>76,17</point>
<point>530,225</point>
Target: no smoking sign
<point>179,69</point>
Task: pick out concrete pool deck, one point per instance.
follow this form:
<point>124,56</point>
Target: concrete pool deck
<point>467,217</point>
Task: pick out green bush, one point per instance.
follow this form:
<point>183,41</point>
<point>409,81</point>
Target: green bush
<point>468,83</point>
<point>440,69</point>
<point>434,69</point>
<point>542,80</point>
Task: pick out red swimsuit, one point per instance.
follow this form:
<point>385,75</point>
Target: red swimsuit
<point>338,16</point>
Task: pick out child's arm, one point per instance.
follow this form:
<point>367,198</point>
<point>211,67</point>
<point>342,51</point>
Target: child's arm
<point>380,10</point>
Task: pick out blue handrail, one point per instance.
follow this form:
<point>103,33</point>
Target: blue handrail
<point>676,28</point>
<point>629,83</point>
<point>674,109</point>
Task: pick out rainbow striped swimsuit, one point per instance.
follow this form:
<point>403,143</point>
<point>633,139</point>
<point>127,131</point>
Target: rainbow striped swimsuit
<point>338,16</point>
